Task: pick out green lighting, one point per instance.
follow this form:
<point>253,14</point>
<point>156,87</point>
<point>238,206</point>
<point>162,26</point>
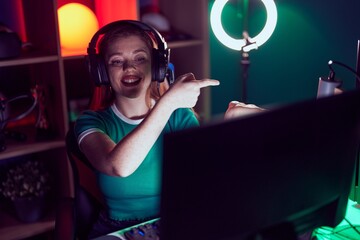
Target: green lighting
<point>239,44</point>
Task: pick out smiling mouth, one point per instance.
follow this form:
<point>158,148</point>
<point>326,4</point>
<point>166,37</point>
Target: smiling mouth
<point>130,81</point>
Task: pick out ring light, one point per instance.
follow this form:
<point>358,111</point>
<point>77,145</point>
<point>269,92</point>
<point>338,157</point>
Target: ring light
<point>240,44</point>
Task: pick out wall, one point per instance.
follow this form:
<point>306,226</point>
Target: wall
<point>287,67</point>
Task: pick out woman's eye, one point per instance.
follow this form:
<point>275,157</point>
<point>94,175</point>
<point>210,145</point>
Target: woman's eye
<point>139,60</point>
<point>116,62</point>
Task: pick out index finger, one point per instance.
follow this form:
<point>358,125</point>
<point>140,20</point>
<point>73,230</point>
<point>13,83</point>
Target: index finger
<point>207,82</point>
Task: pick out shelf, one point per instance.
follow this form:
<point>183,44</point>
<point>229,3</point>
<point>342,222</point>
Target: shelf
<point>12,229</point>
<point>21,230</point>
<point>172,44</point>
<point>15,150</point>
<point>40,63</point>
<point>28,60</point>
<point>66,53</point>
<point>71,57</point>
<point>187,43</point>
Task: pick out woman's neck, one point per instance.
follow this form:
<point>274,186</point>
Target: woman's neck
<point>132,108</point>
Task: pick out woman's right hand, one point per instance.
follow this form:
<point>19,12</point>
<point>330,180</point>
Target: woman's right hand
<point>185,91</point>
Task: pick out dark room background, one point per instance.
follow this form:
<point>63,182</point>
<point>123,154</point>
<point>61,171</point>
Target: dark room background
<point>287,67</point>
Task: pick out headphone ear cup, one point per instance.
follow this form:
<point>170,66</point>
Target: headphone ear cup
<point>159,64</point>
<point>98,70</point>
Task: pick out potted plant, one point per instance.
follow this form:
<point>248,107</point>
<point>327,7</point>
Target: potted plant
<point>26,185</point>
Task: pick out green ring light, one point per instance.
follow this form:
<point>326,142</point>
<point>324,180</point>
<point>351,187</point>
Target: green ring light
<point>240,44</point>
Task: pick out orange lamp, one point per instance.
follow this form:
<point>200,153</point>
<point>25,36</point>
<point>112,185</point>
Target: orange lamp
<point>112,10</point>
<point>77,25</point>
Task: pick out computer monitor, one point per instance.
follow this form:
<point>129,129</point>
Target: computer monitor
<point>279,174</point>
<point>358,65</point>
<point>355,191</point>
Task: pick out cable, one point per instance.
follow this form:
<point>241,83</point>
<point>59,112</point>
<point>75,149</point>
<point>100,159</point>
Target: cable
<point>343,65</point>
<point>352,226</point>
<point>327,232</point>
<point>332,77</point>
<point>328,235</point>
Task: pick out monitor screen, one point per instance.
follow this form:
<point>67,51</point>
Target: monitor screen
<point>358,65</point>
<point>285,171</point>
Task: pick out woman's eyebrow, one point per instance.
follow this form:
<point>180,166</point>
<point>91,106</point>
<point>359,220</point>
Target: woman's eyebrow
<point>134,52</point>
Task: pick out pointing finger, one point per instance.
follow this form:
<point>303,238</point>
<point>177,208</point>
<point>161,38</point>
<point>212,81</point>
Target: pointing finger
<point>207,82</point>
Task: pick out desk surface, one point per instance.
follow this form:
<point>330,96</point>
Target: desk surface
<point>348,229</point>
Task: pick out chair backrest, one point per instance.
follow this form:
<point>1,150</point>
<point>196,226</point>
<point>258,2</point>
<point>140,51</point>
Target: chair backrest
<point>87,197</point>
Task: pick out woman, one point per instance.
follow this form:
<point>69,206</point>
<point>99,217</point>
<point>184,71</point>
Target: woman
<point>122,140</point>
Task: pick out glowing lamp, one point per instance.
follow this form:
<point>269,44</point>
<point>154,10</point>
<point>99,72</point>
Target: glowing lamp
<point>77,24</point>
<point>113,10</point>
<point>242,43</point>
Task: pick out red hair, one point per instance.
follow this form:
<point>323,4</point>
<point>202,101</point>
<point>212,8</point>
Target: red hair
<point>103,96</point>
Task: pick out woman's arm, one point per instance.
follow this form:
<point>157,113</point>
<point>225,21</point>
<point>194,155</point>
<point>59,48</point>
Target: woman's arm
<point>124,158</point>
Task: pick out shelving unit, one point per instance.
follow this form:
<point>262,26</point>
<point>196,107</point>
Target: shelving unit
<point>41,64</point>
<point>61,77</point>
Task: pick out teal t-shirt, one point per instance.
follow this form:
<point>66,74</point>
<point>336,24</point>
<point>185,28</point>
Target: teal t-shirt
<point>137,196</point>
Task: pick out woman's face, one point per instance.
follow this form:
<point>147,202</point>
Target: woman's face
<point>129,66</point>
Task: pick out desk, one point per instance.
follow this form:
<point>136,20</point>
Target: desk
<point>341,232</point>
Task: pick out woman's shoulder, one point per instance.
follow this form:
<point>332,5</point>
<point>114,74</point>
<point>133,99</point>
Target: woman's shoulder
<point>91,118</point>
<point>97,120</point>
<point>95,113</point>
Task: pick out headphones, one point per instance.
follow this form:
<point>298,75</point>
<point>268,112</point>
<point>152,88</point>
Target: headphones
<point>160,56</point>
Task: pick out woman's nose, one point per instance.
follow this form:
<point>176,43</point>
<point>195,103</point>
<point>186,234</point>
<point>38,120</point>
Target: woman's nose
<point>128,64</point>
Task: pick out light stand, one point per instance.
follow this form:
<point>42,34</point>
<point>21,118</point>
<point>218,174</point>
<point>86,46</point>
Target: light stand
<point>244,44</point>
<point>245,63</point>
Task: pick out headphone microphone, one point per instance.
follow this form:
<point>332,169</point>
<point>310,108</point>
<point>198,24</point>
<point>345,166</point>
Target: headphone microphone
<point>160,55</point>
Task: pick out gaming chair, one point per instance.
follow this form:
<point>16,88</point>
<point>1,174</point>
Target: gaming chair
<point>75,215</point>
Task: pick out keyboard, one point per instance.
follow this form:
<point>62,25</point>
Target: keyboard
<point>149,230</point>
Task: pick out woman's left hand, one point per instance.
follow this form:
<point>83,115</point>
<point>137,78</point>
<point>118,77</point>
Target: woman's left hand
<point>239,109</point>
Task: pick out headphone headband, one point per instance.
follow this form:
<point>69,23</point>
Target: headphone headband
<point>162,45</point>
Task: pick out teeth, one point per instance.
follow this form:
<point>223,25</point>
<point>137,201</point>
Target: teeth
<point>130,80</point>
